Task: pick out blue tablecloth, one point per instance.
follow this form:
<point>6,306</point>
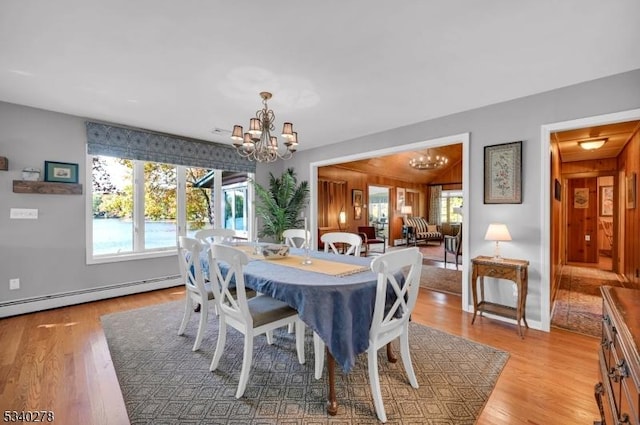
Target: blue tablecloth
<point>338,309</point>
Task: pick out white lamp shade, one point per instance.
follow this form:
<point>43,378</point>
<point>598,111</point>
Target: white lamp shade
<point>406,209</point>
<point>342,217</point>
<point>497,232</point>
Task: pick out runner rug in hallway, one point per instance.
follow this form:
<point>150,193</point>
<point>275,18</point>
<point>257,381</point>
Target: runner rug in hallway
<point>578,305</point>
<point>164,382</point>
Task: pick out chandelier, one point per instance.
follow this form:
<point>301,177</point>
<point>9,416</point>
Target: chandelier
<point>428,162</point>
<point>258,144</point>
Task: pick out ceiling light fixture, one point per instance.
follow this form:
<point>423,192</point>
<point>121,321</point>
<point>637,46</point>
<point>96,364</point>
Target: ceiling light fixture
<point>428,162</point>
<point>590,145</point>
<point>258,144</point>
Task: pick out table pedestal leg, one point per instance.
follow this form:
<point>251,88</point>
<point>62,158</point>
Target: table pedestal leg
<point>332,403</point>
<point>390,354</point>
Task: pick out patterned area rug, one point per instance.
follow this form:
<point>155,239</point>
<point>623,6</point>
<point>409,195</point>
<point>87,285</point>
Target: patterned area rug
<point>164,382</point>
<point>578,305</point>
<point>441,280</point>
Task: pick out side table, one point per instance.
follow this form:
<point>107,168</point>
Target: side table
<point>409,234</point>
<point>509,269</point>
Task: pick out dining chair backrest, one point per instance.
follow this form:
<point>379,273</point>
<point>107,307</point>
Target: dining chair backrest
<point>391,314</point>
<point>210,236</point>
<point>388,320</point>
<point>230,302</point>
<point>295,238</point>
<point>189,250</point>
<point>349,243</point>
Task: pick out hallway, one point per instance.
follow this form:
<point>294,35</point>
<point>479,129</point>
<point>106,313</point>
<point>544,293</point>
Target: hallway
<point>578,305</point>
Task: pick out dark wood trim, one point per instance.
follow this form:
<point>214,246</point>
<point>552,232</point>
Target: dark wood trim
<point>46,188</point>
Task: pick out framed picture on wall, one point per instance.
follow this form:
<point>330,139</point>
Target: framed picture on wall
<point>357,197</point>
<point>503,173</point>
<point>606,201</point>
<point>631,191</point>
<point>581,197</point>
<point>63,172</point>
<point>400,194</point>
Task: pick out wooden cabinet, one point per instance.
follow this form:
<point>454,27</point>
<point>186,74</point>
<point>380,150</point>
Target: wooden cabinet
<point>618,392</point>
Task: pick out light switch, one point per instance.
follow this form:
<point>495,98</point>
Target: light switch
<point>24,213</point>
<point>587,238</point>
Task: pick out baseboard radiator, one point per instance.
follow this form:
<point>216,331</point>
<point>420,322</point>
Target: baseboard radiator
<point>63,299</point>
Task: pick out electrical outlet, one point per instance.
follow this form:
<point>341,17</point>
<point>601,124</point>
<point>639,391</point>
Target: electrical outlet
<point>587,238</point>
<point>14,284</point>
<point>24,213</point>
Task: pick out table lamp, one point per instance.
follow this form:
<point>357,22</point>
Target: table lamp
<point>497,232</point>
<point>342,219</point>
<point>406,210</point>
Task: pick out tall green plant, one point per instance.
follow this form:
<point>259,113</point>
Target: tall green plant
<point>279,206</point>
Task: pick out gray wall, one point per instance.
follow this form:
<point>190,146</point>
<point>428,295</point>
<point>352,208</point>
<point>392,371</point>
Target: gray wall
<point>48,254</point>
<point>519,119</point>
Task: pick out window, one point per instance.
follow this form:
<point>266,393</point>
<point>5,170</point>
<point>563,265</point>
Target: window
<point>235,208</point>
<point>139,208</point>
<point>450,199</point>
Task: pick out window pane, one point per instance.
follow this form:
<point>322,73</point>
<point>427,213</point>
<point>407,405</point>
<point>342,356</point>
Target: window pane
<point>160,185</point>
<point>112,183</point>
<point>199,206</point>
<point>236,208</point>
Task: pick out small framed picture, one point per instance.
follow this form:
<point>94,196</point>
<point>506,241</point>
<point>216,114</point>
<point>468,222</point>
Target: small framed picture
<point>357,197</point>
<point>631,191</point>
<point>61,172</point>
<point>557,190</point>
<point>606,201</point>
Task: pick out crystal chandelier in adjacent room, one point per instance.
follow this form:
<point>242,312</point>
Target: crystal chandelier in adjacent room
<point>257,144</point>
<point>428,162</point>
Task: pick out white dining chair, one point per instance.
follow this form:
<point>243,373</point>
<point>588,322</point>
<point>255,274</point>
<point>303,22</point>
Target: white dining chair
<point>389,321</point>
<point>350,243</point>
<point>295,237</point>
<point>252,317</point>
<point>210,236</point>
<point>197,290</point>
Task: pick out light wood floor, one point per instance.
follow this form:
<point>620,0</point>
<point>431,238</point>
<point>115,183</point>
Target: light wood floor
<point>58,360</point>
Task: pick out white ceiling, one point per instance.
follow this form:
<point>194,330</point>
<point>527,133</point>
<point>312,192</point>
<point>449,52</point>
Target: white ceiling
<point>337,69</point>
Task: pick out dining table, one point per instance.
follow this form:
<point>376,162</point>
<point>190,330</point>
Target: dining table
<point>333,294</point>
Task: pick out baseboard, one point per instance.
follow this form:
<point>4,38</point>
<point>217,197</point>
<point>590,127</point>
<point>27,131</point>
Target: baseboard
<point>31,305</point>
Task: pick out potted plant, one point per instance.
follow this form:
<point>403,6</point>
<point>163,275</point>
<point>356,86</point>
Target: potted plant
<point>280,205</point>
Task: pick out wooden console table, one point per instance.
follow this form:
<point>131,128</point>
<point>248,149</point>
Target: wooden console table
<point>509,269</point>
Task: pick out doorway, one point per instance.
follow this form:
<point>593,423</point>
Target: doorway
<point>378,210</point>
<point>555,221</point>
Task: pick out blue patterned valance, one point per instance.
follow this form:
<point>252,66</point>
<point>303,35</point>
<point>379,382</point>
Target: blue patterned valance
<point>122,142</point>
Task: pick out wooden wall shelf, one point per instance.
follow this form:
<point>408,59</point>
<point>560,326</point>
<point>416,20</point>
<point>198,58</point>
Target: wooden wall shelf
<point>46,188</point>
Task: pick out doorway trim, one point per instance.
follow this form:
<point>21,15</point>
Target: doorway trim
<point>545,195</point>
<point>462,138</point>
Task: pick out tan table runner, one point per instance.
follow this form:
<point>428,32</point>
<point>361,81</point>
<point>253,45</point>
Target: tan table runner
<point>318,265</point>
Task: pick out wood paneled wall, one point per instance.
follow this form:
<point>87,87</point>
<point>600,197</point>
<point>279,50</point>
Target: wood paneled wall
<point>334,200</point>
<point>629,163</point>
<point>582,220</point>
<point>361,181</point>
<point>557,228</point>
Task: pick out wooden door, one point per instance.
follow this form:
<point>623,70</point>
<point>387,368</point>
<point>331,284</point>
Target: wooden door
<point>582,220</point>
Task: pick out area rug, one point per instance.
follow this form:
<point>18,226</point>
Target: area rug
<point>578,304</point>
<point>441,280</point>
<point>164,382</point>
